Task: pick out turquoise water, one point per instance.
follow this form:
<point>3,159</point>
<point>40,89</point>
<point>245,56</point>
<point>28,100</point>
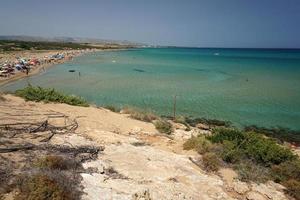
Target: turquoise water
<point>253,86</point>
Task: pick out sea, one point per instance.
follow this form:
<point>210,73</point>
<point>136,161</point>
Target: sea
<point>245,86</point>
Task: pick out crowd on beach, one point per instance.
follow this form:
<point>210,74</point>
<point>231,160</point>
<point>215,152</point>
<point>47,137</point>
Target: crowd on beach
<point>20,64</point>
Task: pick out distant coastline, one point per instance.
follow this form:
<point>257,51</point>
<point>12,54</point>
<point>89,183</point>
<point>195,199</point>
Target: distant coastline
<point>24,56</point>
<point>234,48</point>
<point>40,67</point>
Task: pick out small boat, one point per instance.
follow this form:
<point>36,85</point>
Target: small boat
<point>72,70</point>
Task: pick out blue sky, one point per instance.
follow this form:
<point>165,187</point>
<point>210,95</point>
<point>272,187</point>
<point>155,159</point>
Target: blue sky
<point>201,23</point>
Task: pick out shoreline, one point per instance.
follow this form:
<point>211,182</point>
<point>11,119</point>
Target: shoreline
<point>44,66</point>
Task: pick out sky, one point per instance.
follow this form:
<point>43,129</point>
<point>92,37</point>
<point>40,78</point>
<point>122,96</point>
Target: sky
<point>195,23</point>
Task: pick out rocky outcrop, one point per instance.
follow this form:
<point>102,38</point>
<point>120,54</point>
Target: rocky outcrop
<point>139,163</point>
<point>164,175</point>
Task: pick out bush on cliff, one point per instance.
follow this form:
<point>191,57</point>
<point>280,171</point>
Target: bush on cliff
<point>163,126</point>
<point>211,162</point>
<point>255,157</point>
<point>32,93</point>
<point>253,146</point>
<point>199,143</point>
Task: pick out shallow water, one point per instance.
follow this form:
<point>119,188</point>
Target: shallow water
<point>253,86</point>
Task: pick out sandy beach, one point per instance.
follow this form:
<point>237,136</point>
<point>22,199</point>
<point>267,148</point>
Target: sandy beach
<point>45,56</point>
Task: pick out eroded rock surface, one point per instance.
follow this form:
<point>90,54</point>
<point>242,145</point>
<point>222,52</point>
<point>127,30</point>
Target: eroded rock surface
<point>165,175</point>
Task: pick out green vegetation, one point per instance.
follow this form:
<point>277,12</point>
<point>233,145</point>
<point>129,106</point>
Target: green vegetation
<point>212,122</point>
<point>163,126</point>
<point>139,114</point>
<point>254,156</point>
<point>252,146</point>
<point>31,93</point>
<point>280,133</point>
<point>6,45</point>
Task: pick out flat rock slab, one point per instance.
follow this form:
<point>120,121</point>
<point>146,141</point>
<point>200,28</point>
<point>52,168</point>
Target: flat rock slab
<point>165,175</point>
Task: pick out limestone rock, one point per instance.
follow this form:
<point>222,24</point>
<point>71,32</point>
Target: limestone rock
<point>135,130</point>
<point>181,134</point>
<point>179,126</point>
<point>240,187</point>
<point>148,168</point>
<point>269,191</point>
<point>255,196</point>
<point>202,126</point>
<point>144,195</point>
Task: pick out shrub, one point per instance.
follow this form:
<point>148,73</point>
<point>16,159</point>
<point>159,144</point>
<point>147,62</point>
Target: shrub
<point>180,119</point>
<point>40,187</point>
<point>253,146</point>
<point>293,188</point>
<point>254,156</point>
<point>264,150</point>
<point>199,143</point>
<point>138,114</point>
<point>221,134</point>
<point>163,126</point>
<point>231,153</point>
<point>2,98</point>
<point>211,122</point>
<point>56,163</point>
<point>31,93</point>
<point>250,171</point>
<point>280,133</point>
<point>286,170</point>
<point>113,108</point>
<point>211,162</point>
<point>5,174</point>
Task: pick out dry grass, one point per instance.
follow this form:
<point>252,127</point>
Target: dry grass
<point>50,177</point>
<point>199,143</point>
<point>42,186</point>
<point>2,98</point>
<point>211,162</point>
<point>139,114</point>
<point>293,188</point>
<point>54,162</point>
<point>113,108</point>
